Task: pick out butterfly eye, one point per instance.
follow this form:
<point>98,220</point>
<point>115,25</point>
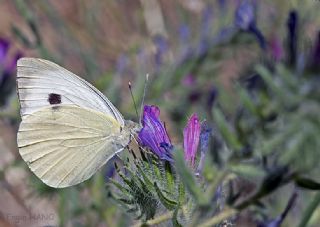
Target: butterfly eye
<point>54,98</point>
<point>120,129</point>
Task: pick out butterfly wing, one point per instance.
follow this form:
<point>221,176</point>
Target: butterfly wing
<point>65,145</point>
<point>42,83</point>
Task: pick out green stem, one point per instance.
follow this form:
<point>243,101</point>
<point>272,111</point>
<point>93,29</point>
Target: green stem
<point>310,210</point>
<point>157,220</point>
<point>219,218</point>
<point>210,222</point>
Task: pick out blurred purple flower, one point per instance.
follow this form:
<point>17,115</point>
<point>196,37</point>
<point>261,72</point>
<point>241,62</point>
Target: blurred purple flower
<point>223,36</point>
<point>222,5</point>
<point>245,20</point>
<point>143,60</point>
<point>205,30</point>
<point>186,51</point>
<point>188,80</point>
<point>4,47</point>
<point>191,138</point>
<point>315,61</point>
<point>109,172</point>
<point>184,32</point>
<point>122,64</point>
<point>204,144</point>
<point>153,134</point>
<point>161,48</point>
<point>111,168</point>
<point>292,38</point>
<point>206,21</point>
<point>212,97</point>
<point>7,70</point>
<point>276,49</point>
<point>244,15</point>
<point>194,94</point>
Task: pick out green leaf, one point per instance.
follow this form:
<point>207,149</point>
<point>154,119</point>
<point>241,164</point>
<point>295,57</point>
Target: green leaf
<point>225,131</point>
<point>123,189</point>
<point>127,181</point>
<point>145,178</point>
<point>247,101</point>
<point>175,222</point>
<point>168,203</point>
<point>126,201</point>
<point>283,94</point>
<point>169,177</point>
<point>273,180</point>
<point>187,178</point>
<point>182,193</point>
<point>247,170</point>
<point>21,36</point>
<point>267,77</point>
<point>307,183</point>
<point>133,210</point>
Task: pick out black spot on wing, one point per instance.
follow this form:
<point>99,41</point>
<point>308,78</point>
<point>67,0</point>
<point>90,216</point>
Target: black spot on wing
<point>54,98</point>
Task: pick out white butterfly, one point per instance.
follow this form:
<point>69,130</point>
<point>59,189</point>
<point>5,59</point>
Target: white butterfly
<point>69,129</point>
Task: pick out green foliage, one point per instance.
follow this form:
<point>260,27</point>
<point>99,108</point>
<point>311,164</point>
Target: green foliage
<point>289,119</point>
<point>148,186</point>
<point>264,137</point>
<point>188,179</point>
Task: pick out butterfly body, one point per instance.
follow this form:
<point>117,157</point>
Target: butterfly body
<point>69,129</point>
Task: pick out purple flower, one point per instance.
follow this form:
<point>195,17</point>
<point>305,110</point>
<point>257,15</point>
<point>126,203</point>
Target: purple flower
<point>4,47</point>
<point>245,20</point>
<point>188,80</point>
<point>7,70</point>
<point>315,58</point>
<point>292,38</point>
<point>153,134</point>
<point>205,134</point>
<point>276,49</point>
<point>122,63</point>
<point>222,5</point>
<point>184,32</point>
<point>161,48</point>
<point>204,44</point>
<point>244,15</point>
<point>212,97</point>
<point>206,21</point>
<point>191,137</point>
<point>185,48</point>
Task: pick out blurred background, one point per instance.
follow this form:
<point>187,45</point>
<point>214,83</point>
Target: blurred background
<point>193,51</point>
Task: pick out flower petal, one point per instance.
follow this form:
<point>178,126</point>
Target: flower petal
<point>4,47</point>
<point>191,137</point>
<point>153,134</point>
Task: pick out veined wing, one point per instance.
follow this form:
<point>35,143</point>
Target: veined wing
<point>42,83</point>
<point>65,145</point>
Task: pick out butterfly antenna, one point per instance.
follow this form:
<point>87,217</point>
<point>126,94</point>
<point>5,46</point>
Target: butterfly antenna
<point>144,95</point>
<point>134,102</point>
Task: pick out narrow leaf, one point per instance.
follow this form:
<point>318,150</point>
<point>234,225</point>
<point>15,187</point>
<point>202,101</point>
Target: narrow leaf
<point>307,183</point>
<point>225,131</point>
<point>168,203</point>
<point>188,178</point>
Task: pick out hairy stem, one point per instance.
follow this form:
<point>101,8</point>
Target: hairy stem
<point>158,220</point>
<point>219,218</point>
